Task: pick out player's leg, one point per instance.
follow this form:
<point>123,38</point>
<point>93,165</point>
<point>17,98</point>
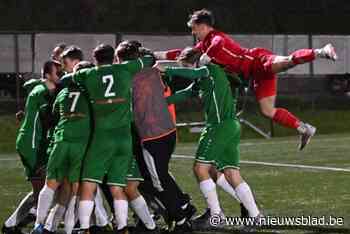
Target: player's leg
<point>229,161</point>
<point>55,175</point>
<point>205,158</point>
<point>35,172</point>
<point>157,154</point>
<point>86,203</point>
<point>117,175</point>
<point>277,63</point>
<point>54,218</point>
<point>72,177</point>
<point>101,216</point>
<point>243,190</point>
<point>265,92</point>
<point>95,165</point>
<point>11,224</point>
<point>222,182</point>
<point>136,200</point>
<point>69,218</point>
<point>139,206</point>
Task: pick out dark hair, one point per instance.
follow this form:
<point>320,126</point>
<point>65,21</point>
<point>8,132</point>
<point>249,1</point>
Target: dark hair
<point>47,67</point>
<point>104,54</point>
<point>73,52</point>
<point>61,45</point>
<point>189,55</point>
<point>203,16</point>
<point>128,50</point>
<point>83,64</point>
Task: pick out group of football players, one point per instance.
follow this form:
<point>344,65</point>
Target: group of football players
<point>108,128</point>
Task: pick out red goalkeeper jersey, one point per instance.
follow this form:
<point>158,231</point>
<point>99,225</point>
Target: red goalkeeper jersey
<point>225,51</point>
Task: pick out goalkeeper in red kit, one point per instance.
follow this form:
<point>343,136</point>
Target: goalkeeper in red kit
<point>259,64</point>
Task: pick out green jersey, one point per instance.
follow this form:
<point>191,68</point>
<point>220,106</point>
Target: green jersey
<point>109,89</point>
<point>37,104</point>
<point>74,115</point>
<point>214,90</point>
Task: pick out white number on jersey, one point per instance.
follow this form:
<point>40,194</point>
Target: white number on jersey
<point>110,81</point>
<point>75,96</point>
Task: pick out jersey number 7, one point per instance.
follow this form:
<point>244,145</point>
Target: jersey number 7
<point>75,96</point>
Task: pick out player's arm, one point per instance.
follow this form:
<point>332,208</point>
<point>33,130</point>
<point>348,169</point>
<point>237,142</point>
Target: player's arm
<point>217,44</point>
<point>76,77</point>
<point>167,55</point>
<point>184,94</point>
<point>134,66</point>
<point>188,73</point>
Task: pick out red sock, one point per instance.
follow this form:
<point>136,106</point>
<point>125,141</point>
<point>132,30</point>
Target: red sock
<point>303,56</point>
<point>285,118</point>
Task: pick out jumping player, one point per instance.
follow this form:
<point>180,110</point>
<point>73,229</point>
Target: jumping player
<point>258,63</point>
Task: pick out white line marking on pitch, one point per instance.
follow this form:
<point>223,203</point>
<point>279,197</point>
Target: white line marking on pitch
<point>276,164</point>
<point>9,159</point>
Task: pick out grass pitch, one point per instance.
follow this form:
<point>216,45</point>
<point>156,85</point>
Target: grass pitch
<point>280,191</point>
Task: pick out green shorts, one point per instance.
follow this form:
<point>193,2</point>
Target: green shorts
<point>65,160</point>
<point>34,159</point>
<point>134,171</point>
<point>109,154</point>
<point>219,145</point>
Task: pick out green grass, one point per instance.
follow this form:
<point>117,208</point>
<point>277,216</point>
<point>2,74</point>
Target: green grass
<point>279,191</point>
<point>327,122</point>
<point>8,129</point>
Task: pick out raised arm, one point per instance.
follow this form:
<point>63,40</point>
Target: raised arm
<point>183,94</point>
<point>167,55</point>
<point>188,73</point>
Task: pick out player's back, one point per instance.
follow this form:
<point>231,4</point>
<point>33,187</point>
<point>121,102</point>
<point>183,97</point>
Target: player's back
<point>35,103</point>
<point>74,115</point>
<point>219,102</point>
<point>109,88</point>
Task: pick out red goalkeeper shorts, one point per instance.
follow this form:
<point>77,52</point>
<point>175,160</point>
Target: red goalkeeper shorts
<point>264,80</point>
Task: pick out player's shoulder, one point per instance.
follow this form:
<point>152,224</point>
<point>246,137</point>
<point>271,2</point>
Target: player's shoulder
<point>213,67</point>
<point>30,84</point>
<point>63,92</point>
<point>39,89</point>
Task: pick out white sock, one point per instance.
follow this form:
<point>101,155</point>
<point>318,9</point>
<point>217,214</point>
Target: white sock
<point>22,210</point>
<point>141,209</point>
<point>54,218</point>
<point>84,211</point>
<point>69,218</point>
<point>226,186</point>
<point>100,211</point>
<point>208,189</point>
<point>46,196</point>
<point>246,196</point>
<point>121,213</point>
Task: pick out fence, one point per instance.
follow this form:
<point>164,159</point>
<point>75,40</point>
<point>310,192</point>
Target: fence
<point>22,54</point>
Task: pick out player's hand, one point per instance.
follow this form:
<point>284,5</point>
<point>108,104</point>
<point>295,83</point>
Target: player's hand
<point>145,51</point>
<point>160,67</point>
<point>204,60</point>
<point>19,116</point>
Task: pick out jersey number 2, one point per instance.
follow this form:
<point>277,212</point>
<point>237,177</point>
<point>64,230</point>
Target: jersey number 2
<point>75,96</point>
<point>110,81</point>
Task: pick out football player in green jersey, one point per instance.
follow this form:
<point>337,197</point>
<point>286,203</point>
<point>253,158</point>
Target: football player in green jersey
<point>31,142</point>
<point>219,142</point>
<point>69,145</point>
<point>110,152</point>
